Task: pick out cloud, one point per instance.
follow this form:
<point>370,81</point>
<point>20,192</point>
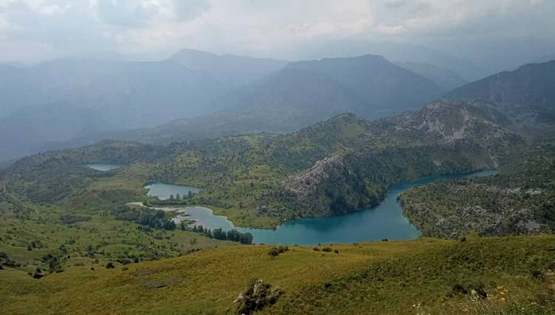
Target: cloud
<point>256,27</point>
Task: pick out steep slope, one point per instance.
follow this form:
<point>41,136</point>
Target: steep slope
<point>531,84</point>
<point>446,79</point>
<point>525,95</point>
<point>375,86</point>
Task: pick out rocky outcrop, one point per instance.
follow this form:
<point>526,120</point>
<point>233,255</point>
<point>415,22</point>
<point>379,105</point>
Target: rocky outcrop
<point>307,183</point>
<point>329,187</point>
<point>257,296</point>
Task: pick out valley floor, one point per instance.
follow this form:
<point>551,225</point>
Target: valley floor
<point>474,276</point>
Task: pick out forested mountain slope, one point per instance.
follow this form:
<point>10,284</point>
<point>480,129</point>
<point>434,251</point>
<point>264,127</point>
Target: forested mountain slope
<point>256,179</point>
<point>519,200</point>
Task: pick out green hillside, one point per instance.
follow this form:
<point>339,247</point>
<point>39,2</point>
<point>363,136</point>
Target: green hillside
<point>330,168</point>
<point>477,276</point>
<point>520,199</point>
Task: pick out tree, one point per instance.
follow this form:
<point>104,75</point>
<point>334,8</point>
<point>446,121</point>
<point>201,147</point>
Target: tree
<point>246,238</point>
<point>219,234</point>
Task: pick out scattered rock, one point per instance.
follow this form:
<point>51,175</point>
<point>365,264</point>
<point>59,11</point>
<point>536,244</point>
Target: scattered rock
<point>275,251</point>
<point>6,261</point>
<point>38,274</point>
<point>155,284</point>
<point>475,291</point>
<point>256,296</point>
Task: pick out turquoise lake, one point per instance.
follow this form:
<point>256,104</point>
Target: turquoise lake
<point>103,167</point>
<point>383,221</point>
<point>165,191</point>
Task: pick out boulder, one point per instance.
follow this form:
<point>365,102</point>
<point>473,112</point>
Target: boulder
<point>256,296</point>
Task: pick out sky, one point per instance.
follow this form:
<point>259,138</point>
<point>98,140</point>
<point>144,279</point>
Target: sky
<point>36,30</point>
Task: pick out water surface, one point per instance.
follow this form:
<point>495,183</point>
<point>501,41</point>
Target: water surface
<point>165,191</point>
<point>383,221</point>
<point>103,167</point>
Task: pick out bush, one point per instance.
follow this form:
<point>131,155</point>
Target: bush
<point>38,274</point>
<point>475,290</point>
<point>275,251</point>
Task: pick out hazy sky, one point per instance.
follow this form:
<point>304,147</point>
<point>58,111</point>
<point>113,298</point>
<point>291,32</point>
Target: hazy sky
<point>32,30</point>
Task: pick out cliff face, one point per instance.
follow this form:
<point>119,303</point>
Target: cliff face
<point>441,138</point>
<point>331,187</point>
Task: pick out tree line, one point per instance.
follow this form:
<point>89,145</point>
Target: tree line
<point>220,234</point>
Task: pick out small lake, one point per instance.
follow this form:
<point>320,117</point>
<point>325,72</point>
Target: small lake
<point>383,221</point>
<point>103,167</point>
<point>165,191</point>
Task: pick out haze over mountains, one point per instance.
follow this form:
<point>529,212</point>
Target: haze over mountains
<point>196,94</point>
<point>527,95</point>
<point>91,96</point>
<point>232,69</point>
<point>278,104</point>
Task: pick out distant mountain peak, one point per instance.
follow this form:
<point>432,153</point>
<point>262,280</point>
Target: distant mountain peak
<point>237,70</point>
<point>529,85</point>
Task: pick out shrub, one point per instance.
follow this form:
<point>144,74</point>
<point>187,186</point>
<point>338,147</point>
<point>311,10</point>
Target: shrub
<point>275,251</point>
<point>38,274</point>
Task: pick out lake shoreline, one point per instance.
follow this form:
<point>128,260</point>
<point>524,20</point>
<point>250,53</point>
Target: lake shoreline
<point>384,221</point>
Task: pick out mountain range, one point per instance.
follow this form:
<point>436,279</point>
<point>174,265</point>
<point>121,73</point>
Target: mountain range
<point>301,94</point>
<point>70,227</point>
<point>101,95</point>
<point>195,95</point>
<point>214,95</point>
<point>526,95</point>
<point>332,167</point>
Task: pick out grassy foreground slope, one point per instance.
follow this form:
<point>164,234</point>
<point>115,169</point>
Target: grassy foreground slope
<point>415,277</point>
